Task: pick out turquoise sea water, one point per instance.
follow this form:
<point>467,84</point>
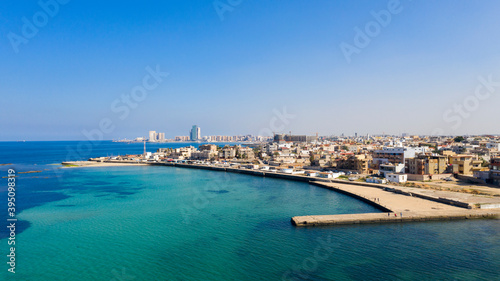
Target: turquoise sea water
<point>165,223</point>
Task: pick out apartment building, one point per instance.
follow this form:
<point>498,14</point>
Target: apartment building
<point>386,169</point>
<point>227,153</point>
<point>396,155</point>
<point>358,163</point>
<point>209,147</point>
<point>495,170</point>
<point>246,152</point>
<point>426,165</point>
<point>465,164</point>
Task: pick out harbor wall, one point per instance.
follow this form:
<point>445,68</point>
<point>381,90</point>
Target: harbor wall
<point>307,179</point>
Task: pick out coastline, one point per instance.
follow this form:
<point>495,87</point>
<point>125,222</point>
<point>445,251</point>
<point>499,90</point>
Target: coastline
<point>88,164</point>
<point>388,199</point>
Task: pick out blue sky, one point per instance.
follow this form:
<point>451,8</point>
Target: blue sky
<point>231,75</point>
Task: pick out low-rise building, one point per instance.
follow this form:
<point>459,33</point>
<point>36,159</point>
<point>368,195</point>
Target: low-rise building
<point>325,175</point>
<point>246,153</point>
<point>286,170</point>
<point>375,180</point>
<point>181,138</point>
<point>426,164</point>
<point>396,155</point>
<point>227,153</point>
<point>357,163</point>
<point>182,152</point>
<point>311,173</point>
<point>495,171</point>
<point>284,158</point>
<point>209,147</point>
<point>399,178</point>
<point>203,155</point>
<point>465,164</point>
<point>493,145</point>
<point>391,169</point>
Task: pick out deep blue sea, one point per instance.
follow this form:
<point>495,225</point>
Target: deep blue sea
<point>166,223</point>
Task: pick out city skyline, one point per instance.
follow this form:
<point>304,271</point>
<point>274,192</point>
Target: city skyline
<point>160,137</point>
<point>254,68</point>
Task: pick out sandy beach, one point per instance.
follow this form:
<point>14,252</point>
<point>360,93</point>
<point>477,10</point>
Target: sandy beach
<point>80,164</point>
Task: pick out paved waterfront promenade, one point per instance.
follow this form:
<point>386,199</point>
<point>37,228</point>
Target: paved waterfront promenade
<point>397,208</point>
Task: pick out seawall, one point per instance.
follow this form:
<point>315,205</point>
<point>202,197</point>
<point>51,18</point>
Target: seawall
<point>369,218</point>
<point>390,200</point>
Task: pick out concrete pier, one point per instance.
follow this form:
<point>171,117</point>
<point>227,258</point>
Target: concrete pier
<point>397,207</point>
<point>392,217</point>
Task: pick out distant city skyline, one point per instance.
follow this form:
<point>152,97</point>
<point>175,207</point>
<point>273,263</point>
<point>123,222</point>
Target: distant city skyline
<point>332,67</point>
<point>195,135</point>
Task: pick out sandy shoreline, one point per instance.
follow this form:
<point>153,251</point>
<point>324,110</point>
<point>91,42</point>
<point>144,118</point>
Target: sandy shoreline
<point>87,164</point>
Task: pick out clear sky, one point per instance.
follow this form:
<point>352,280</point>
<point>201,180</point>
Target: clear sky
<point>65,68</point>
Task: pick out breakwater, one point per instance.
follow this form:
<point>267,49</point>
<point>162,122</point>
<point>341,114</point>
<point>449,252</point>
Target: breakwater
<point>397,205</point>
<point>368,218</point>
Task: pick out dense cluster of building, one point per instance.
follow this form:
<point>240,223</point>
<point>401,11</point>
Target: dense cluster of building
<point>377,158</point>
<point>195,136</point>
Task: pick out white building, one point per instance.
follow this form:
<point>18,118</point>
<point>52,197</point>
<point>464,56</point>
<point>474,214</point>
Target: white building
<point>325,175</point>
<point>161,137</point>
<point>386,169</point>
<point>152,135</point>
<point>397,154</point>
<point>286,170</point>
<point>399,178</point>
<point>328,175</point>
<point>493,145</point>
<point>376,180</point>
<point>311,173</point>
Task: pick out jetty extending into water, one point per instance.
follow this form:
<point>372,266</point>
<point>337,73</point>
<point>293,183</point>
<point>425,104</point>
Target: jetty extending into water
<point>397,205</point>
